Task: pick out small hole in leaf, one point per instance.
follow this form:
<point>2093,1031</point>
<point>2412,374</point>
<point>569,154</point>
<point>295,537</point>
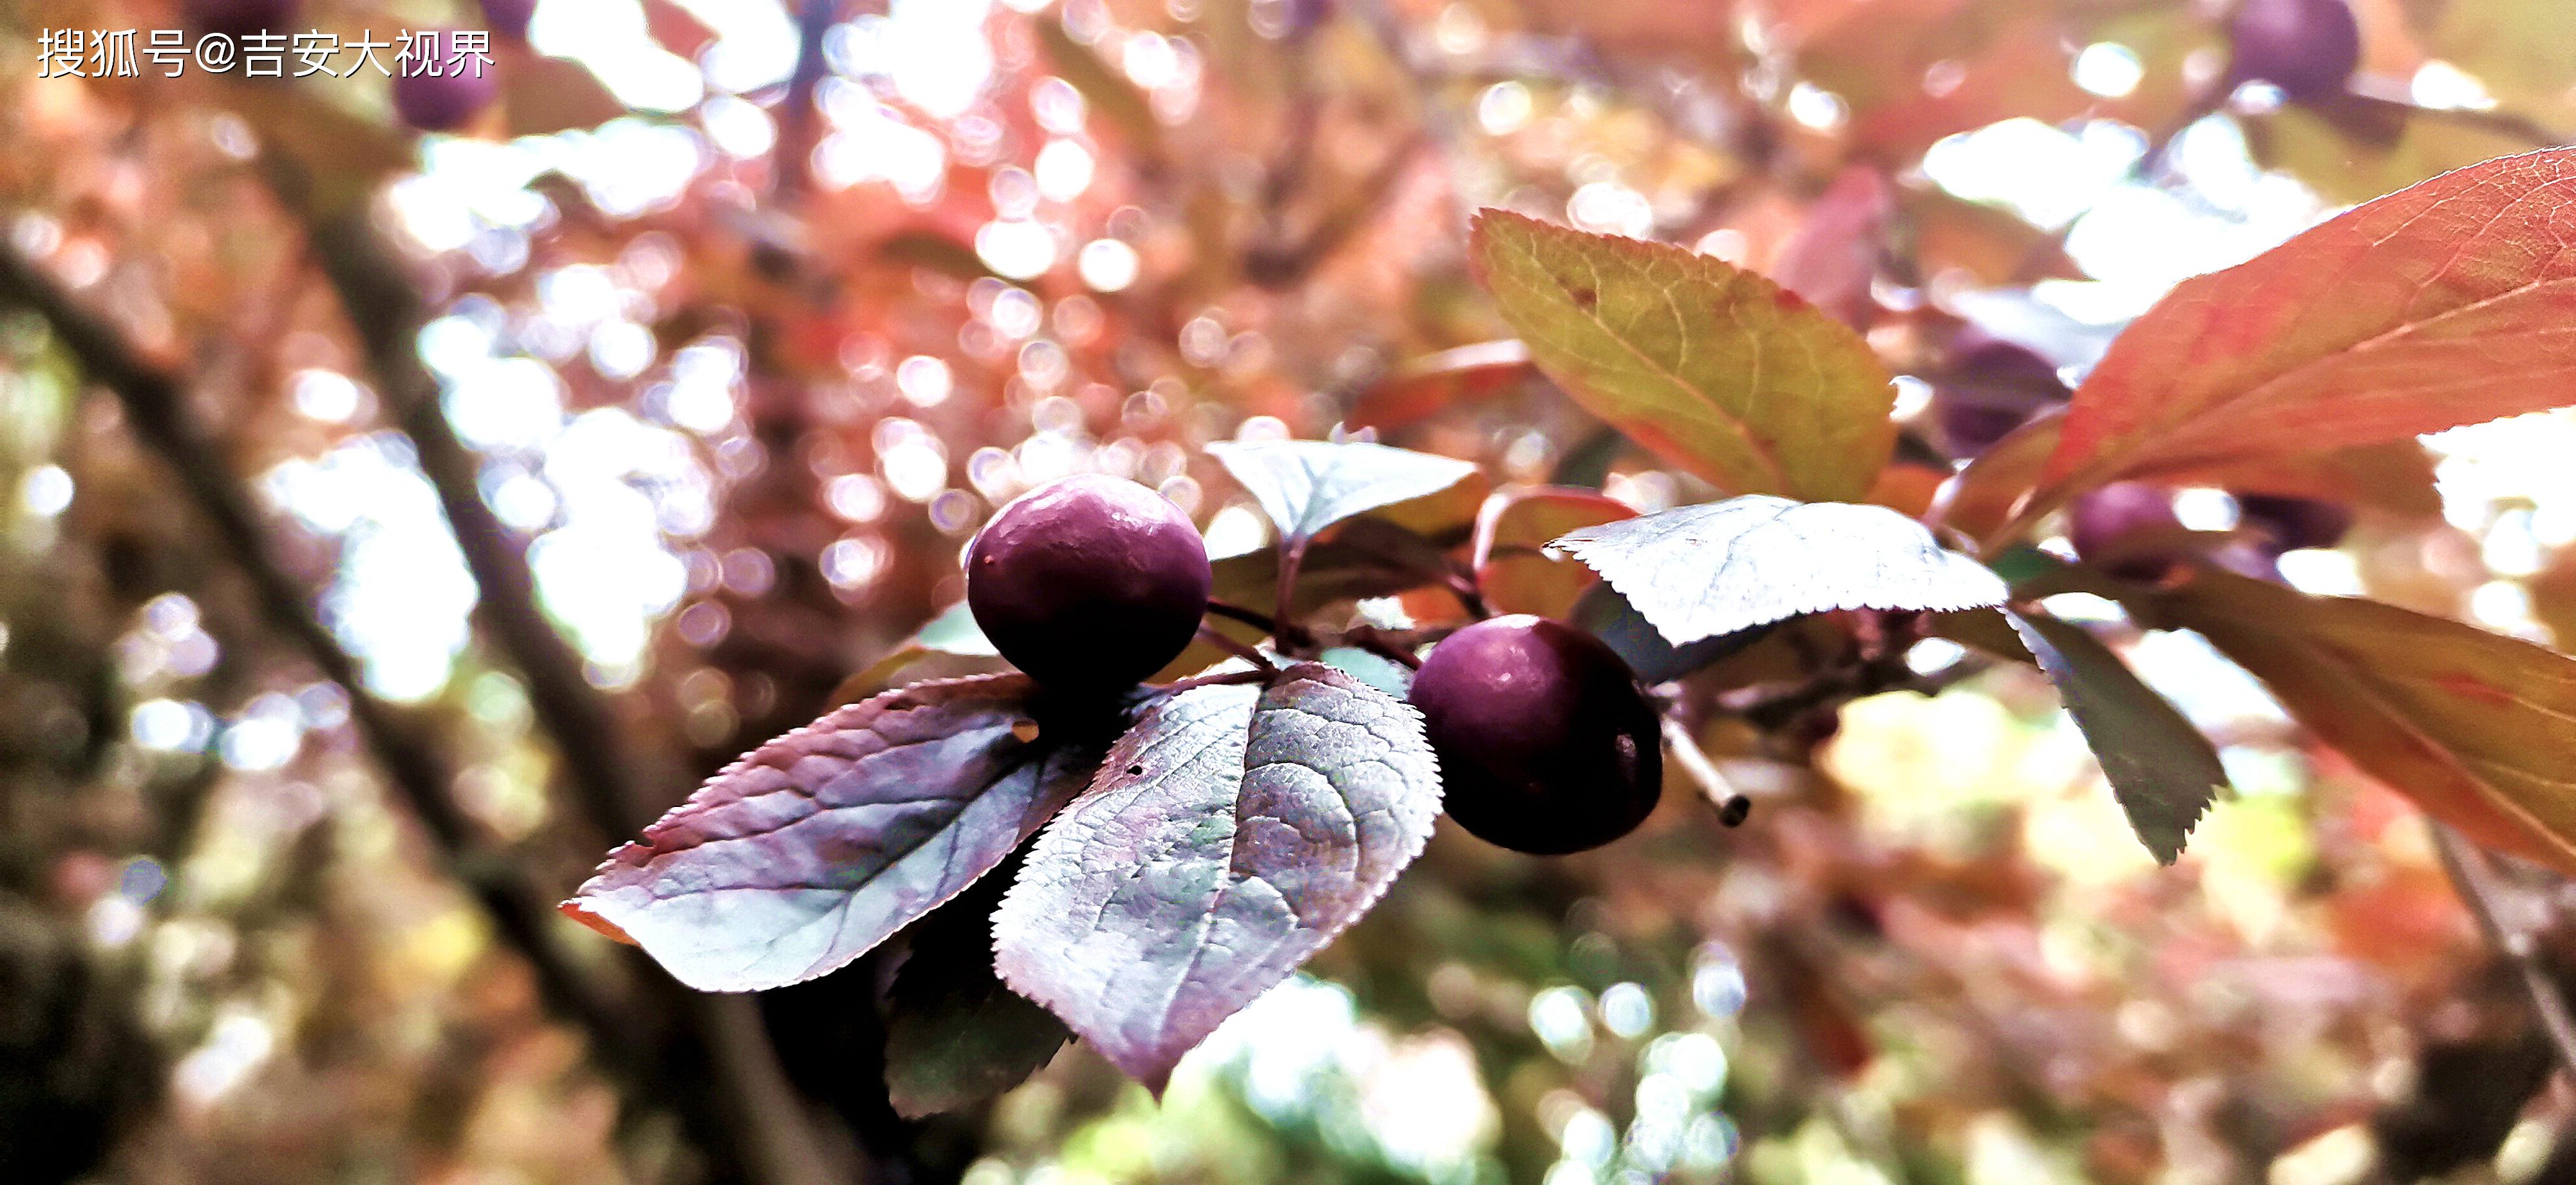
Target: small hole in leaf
<point>1734,810</point>
<point>1024,731</point>
<point>1134,771</point>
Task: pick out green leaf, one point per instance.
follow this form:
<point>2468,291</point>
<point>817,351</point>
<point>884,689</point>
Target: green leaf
<point>1716,369</point>
<point>1701,571</point>
<point>2162,770</point>
<point>955,1035</point>
<point>2474,726</point>
<point>1308,485</point>
<point>2440,305</point>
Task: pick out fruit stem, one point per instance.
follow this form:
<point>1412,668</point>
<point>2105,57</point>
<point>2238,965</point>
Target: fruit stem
<point>1251,617</point>
<point>1731,803</point>
<point>1284,629</point>
<point>1380,643</point>
<point>1249,654</point>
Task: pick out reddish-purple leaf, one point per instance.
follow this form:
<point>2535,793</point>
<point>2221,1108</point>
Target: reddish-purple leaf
<point>2448,303</point>
<point>1230,835</point>
<point>815,847</point>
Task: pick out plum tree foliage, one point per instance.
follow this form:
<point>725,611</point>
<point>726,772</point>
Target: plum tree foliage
<point>1272,794</point>
<point>1525,524</point>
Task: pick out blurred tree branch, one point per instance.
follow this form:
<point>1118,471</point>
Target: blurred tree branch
<point>159,413</point>
<point>652,1073</point>
<point>742,1109</point>
<point>2500,911</point>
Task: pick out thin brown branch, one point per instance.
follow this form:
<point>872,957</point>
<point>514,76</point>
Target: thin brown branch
<point>2488,900</point>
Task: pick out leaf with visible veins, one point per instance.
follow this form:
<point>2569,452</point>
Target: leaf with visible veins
<point>1230,835</point>
<point>2447,303</point>
<point>816,846</point>
<point>1713,367</point>
<point>1308,485</point>
<point>1700,571</point>
<point>2472,725</point>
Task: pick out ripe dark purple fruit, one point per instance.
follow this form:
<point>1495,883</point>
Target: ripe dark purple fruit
<point>2308,48</point>
<point>2120,527</point>
<point>1088,582</point>
<point>445,102</point>
<point>1546,743</point>
<point>2288,524</point>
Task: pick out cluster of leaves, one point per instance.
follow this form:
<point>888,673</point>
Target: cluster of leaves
<point>1247,816</point>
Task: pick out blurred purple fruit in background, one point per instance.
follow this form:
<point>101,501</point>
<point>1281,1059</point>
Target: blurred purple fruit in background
<point>2128,529</point>
<point>509,18</point>
<point>2308,48</point>
<point>2288,524</point>
<point>1988,387</point>
<point>445,102</point>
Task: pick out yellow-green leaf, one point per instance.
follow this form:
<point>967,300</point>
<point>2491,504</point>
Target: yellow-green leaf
<point>1718,370</point>
<point>2479,729</point>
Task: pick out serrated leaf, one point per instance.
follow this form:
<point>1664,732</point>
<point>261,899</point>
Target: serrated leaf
<point>1606,615</point>
<point>2473,726</point>
<point>1714,368</point>
<point>2447,303</point>
<point>1308,485</point>
<point>955,1035</point>
<point>815,847</point>
<point>1701,571</point>
<point>2162,770</point>
<point>1230,835</point>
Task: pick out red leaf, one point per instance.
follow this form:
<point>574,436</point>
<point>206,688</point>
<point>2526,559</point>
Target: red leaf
<point>2448,303</point>
<point>1513,571</point>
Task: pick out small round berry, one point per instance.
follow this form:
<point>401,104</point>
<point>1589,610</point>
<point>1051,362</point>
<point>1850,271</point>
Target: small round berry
<point>1989,387</point>
<point>2308,48</point>
<point>1546,743</point>
<point>2128,528</point>
<point>1088,582</point>
<point>445,102</point>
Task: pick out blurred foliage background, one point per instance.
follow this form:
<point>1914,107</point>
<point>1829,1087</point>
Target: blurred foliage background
<point>393,521</point>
